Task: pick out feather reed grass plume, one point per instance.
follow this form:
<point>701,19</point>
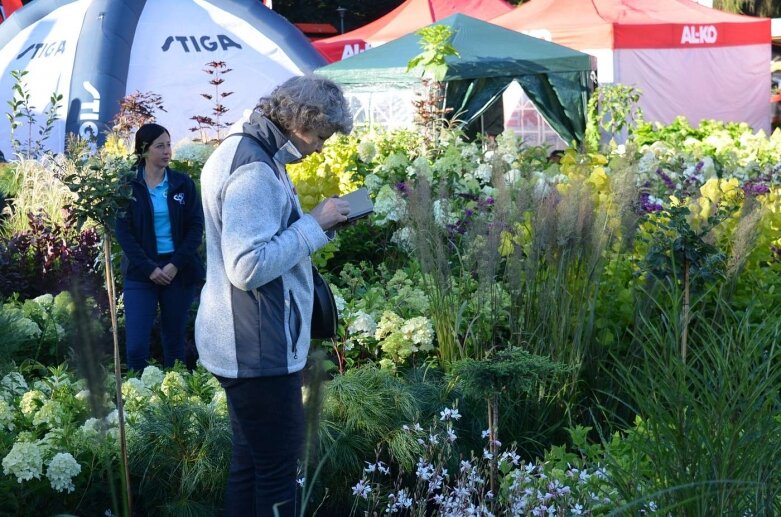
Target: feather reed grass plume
<point>744,237</point>
<point>39,189</point>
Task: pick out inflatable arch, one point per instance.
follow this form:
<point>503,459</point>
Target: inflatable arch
<point>95,52</point>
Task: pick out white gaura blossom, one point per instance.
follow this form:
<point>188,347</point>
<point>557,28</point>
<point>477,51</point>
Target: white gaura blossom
<point>61,471</point>
<point>152,376</point>
<point>363,324</point>
<point>23,461</point>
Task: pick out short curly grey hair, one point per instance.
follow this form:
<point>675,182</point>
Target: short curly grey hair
<point>308,103</point>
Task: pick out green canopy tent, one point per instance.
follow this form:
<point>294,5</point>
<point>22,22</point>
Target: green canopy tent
<point>557,79</point>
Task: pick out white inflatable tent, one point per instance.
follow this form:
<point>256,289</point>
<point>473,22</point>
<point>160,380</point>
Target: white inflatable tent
<point>95,52</point>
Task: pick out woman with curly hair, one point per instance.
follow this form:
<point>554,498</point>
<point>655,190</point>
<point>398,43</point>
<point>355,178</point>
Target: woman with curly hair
<point>253,325</point>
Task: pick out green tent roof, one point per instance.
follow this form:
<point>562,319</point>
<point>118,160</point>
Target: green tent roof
<point>486,50</point>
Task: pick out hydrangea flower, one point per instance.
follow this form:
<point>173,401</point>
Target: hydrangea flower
<point>61,471</point>
<point>6,416</point>
<point>152,376</point>
<point>51,413</point>
<point>31,401</point>
<point>366,150</point>
<point>173,384</point>
<point>23,461</point>
<point>13,384</point>
<point>363,324</point>
<point>388,206</point>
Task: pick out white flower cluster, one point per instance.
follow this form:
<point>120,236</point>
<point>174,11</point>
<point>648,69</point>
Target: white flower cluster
<point>367,150</point>
<point>23,325</point>
<point>388,206</point>
<point>51,414</point>
<point>373,183</point>
<point>61,471</point>
<point>23,461</point>
<point>363,324</point>
<point>404,239</point>
<point>419,331</point>
<point>173,384</point>
<point>31,402</point>
<point>152,376</point>
<point>6,416</point>
<point>13,384</point>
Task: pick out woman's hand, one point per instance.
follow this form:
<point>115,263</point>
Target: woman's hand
<point>160,277</point>
<point>331,212</point>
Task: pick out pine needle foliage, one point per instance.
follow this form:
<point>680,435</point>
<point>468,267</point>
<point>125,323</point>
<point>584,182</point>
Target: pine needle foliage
<point>363,412</point>
<point>707,426</point>
<point>180,451</point>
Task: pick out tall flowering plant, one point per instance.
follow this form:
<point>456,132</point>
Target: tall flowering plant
<point>101,183</point>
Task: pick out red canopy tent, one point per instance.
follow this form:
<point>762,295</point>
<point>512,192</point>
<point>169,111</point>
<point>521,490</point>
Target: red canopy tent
<point>685,58</point>
<point>406,18</point>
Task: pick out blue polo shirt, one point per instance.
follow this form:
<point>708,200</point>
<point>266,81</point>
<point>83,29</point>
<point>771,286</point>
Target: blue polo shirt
<point>159,196</point>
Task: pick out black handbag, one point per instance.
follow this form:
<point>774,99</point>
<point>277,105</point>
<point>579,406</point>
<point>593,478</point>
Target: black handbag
<point>325,317</point>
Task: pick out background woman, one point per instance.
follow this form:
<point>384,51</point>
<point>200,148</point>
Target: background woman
<point>160,235</point>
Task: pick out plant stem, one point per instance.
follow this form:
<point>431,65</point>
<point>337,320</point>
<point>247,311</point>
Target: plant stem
<point>686,309</point>
<point>117,369</point>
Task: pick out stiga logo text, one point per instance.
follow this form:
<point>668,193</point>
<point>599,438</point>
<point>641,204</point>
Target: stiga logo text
<point>38,50</point>
<point>200,43</point>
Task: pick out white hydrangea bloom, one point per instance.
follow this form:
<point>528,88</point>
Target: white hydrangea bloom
<point>31,401</point>
<point>173,384</point>
<point>441,215</point>
<point>484,172</point>
<point>6,416</point>
<point>362,323</point>
<point>13,384</point>
<point>135,388</point>
<point>23,461</point>
<point>62,469</point>
<point>372,182</point>
<point>512,176</point>
<point>91,427</point>
<point>152,376</point>
<point>366,150</point>
<point>28,328</point>
<point>44,300</point>
<point>82,395</point>
<point>403,238</point>
<point>388,206</point>
<point>51,413</point>
<point>340,303</point>
<point>419,331</point>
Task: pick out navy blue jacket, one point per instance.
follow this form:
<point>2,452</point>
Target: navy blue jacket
<point>136,230</point>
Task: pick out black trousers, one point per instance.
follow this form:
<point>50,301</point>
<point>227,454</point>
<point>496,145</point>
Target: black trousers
<point>267,418</point>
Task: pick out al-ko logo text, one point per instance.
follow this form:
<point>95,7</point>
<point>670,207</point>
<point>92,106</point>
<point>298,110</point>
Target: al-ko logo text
<point>200,43</point>
<point>39,50</point>
<point>699,34</point>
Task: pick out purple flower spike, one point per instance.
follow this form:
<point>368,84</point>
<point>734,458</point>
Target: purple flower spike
<point>668,182</point>
<point>402,187</point>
